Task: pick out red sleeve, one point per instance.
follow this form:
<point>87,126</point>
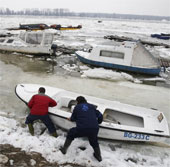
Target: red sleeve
<point>52,103</point>
<point>31,102</point>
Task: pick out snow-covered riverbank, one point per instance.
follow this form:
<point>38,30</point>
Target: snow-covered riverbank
<point>117,154</point>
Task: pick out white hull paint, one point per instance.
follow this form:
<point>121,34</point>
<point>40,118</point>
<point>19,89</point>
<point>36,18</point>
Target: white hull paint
<point>110,133</point>
<point>136,123</point>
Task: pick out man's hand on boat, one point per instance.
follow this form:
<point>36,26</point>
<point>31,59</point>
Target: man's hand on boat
<point>69,118</point>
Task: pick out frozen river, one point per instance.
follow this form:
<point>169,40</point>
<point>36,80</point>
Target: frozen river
<point>18,69</point>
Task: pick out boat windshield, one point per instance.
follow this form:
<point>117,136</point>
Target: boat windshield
<point>34,38</point>
<point>118,117</point>
<point>37,38</point>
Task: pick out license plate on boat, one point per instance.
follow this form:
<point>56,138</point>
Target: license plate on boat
<point>138,136</point>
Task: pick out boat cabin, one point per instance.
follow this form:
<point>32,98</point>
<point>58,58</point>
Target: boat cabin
<point>30,38</point>
<point>29,42</point>
<point>110,115</point>
<point>127,56</point>
<point>37,38</point>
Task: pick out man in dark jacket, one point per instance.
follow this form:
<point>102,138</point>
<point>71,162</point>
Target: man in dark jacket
<point>87,119</point>
<point>39,104</point>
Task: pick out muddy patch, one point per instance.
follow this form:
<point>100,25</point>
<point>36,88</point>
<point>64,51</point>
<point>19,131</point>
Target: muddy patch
<point>15,157</point>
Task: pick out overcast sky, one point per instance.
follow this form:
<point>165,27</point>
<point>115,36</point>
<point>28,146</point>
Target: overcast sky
<point>141,7</point>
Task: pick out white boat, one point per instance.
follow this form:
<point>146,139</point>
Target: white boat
<point>127,56</point>
<point>121,121</point>
<point>29,42</point>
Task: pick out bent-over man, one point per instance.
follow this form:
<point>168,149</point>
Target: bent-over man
<point>38,105</point>
<point>87,119</point>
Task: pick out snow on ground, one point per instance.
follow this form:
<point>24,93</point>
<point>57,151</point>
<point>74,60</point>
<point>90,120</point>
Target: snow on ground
<point>114,154</point>
<point>101,73</point>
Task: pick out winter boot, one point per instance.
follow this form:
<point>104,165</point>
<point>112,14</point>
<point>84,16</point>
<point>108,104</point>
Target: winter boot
<point>54,134</point>
<point>97,154</point>
<point>66,145</point>
<point>31,129</point>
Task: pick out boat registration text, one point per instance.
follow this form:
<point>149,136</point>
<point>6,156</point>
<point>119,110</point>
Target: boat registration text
<point>136,135</point>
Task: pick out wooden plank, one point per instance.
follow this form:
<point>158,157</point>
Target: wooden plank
<point>164,62</point>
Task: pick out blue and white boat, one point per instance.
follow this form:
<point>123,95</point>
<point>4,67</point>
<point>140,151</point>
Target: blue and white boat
<point>120,121</point>
<point>127,56</point>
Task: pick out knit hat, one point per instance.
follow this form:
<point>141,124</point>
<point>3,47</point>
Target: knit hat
<point>81,99</point>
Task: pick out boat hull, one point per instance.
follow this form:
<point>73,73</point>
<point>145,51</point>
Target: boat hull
<point>149,71</point>
<point>108,132</point>
<point>153,131</point>
<point>161,36</point>
<point>26,49</point>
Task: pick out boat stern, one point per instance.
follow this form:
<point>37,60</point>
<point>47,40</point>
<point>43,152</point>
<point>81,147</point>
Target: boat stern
<point>26,91</point>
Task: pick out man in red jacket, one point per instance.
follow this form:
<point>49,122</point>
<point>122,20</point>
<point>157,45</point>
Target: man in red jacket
<point>39,104</point>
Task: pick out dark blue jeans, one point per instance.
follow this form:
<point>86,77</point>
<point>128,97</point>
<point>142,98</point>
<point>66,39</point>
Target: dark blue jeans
<point>91,134</point>
<point>44,118</point>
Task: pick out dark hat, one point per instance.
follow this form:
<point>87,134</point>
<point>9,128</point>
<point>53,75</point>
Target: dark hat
<point>42,90</point>
<point>81,99</point>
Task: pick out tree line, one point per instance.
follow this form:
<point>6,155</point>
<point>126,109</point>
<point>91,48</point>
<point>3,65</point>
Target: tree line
<point>35,12</point>
<point>66,12</point>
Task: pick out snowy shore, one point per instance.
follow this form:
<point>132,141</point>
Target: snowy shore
<point>117,154</point>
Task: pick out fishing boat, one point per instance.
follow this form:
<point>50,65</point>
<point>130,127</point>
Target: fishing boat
<point>29,42</point>
<point>121,121</point>
<point>33,27</point>
<point>59,27</point>
<point>126,56</point>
